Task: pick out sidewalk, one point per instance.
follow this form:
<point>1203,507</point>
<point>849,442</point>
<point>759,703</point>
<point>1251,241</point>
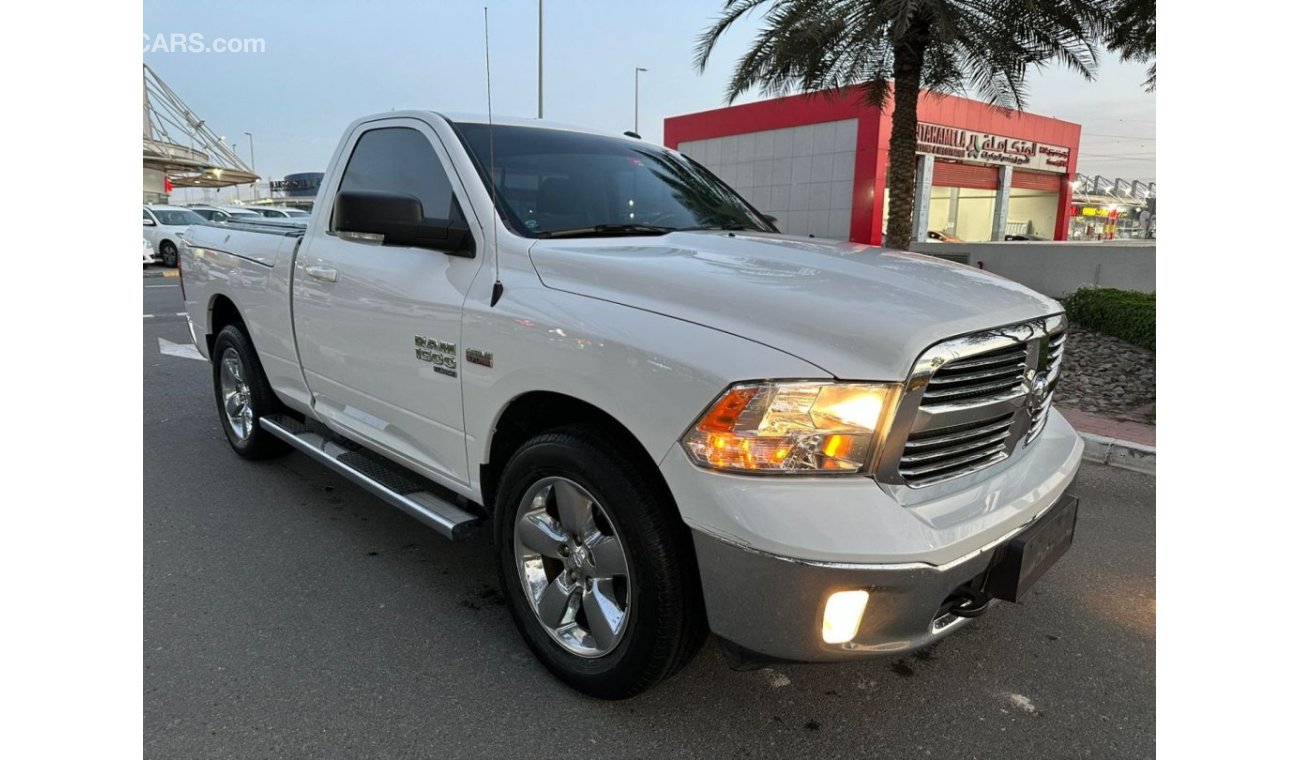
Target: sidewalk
<point>1122,443</point>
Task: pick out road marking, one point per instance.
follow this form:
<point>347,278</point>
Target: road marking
<point>183,350</point>
<point>162,286</point>
<point>177,314</point>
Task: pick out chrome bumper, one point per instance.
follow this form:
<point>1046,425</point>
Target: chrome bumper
<point>770,607</point>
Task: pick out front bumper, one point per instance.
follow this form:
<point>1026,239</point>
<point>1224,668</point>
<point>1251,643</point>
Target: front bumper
<point>771,552</point>
<point>773,606</point>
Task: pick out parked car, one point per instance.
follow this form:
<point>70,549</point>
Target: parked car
<point>211,213</point>
<point>240,213</point>
<point>277,212</point>
<point>164,228</point>
<point>670,417</point>
<point>935,236</point>
<point>1021,236</point>
<point>149,256</point>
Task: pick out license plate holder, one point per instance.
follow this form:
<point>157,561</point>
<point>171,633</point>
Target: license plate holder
<point>1024,559</point>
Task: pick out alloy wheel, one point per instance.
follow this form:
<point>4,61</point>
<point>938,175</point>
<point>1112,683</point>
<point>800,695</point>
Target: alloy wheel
<point>573,566</point>
<point>235,400</point>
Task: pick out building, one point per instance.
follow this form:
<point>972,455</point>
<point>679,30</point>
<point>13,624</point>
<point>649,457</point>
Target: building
<point>818,162</point>
<point>180,150</point>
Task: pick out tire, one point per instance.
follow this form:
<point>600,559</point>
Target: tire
<point>167,249</point>
<point>662,622</point>
<point>252,396</point>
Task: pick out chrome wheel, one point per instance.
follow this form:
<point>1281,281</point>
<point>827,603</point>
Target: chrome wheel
<point>235,400</point>
<point>573,567</point>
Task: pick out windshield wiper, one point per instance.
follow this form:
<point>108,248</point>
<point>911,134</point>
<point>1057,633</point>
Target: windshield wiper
<point>608,230</point>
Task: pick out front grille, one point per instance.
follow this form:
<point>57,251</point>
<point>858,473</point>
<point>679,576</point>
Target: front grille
<point>984,376</point>
<point>1055,354</point>
<point>946,452</point>
<point>972,400</point>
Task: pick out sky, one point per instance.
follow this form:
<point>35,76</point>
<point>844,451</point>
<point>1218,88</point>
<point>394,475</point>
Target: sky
<point>325,63</point>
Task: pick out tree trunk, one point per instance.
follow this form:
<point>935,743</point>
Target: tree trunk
<point>909,55</point>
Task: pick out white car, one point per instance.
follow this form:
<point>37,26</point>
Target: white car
<point>149,256</point>
<point>671,417</point>
<point>165,227</point>
<point>277,212</point>
<point>240,214</point>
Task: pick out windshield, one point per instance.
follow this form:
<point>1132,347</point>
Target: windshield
<point>176,217</point>
<point>552,182</point>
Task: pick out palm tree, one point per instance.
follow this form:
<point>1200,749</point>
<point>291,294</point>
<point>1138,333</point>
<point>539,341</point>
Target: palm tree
<point>1133,34</point>
<point>943,45</point>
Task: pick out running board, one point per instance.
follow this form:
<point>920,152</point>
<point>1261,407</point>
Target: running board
<point>392,483</point>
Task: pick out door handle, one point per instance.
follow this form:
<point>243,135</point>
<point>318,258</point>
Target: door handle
<point>325,274</point>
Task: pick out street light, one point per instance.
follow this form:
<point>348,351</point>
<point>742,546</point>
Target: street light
<point>539,59</point>
<point>636,101</point>
<point>252,159</point>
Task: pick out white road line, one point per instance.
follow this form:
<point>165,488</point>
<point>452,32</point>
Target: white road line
<point>183,350</point>
<point>177,314</point>
<point>148,316</point>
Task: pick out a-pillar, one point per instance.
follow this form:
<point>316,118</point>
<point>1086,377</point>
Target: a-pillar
<point>921,208</point>
<point>1002,204</point>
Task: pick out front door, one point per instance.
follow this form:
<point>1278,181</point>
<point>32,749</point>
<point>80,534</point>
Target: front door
<point>378,326</point>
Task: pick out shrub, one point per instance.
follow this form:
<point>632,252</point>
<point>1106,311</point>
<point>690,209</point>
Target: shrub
<point>1125,314</point>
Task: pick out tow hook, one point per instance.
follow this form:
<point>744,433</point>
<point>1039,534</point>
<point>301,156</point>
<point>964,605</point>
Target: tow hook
<point>968,602</point>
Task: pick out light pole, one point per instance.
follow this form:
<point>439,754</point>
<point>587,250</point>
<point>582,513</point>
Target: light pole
<point>539,59</point>
<point>636,101</point>
<point>252,159</point>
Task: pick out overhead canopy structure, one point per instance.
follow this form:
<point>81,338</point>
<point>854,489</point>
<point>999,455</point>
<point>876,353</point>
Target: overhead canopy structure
<point>179,144</point>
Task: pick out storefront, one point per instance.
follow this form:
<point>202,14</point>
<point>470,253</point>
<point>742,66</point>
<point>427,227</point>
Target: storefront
<point>819,164</point>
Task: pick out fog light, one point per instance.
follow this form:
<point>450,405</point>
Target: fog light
<point>843,615</point>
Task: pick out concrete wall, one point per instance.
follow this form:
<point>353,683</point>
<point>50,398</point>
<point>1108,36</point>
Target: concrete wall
<point>801,175</point>
<point>1057,269</point>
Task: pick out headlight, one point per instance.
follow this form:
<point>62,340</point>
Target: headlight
<point>793,428</point>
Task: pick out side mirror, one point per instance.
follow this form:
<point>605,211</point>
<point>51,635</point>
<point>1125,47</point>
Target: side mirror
<point>149,223</point>
<point>398,219</point>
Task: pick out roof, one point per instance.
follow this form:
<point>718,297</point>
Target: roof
<point>474,118</point>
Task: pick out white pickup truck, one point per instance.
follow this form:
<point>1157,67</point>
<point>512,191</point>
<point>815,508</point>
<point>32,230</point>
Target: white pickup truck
<point>670,417</point>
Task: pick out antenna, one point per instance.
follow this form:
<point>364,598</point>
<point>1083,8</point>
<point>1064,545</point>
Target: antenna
<point>497,287</point>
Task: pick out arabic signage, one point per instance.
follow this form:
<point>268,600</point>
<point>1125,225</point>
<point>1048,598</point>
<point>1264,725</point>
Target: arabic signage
<point>965,145</point>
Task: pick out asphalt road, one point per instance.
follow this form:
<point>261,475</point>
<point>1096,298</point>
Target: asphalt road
<point>289,614</point>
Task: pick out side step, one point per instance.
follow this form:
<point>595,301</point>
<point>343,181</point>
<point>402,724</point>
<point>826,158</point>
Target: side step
<point>391,482</point>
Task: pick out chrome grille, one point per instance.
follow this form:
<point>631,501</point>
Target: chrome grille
<point>945,452</point>
<point>972,400</point>
<point>993,374</point>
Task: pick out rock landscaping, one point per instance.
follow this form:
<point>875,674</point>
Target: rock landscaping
<point>1107,376</point>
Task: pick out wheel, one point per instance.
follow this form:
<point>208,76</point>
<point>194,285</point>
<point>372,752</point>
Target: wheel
<point>167,249</point>
<point>595,565</point>
<point>243,396</point>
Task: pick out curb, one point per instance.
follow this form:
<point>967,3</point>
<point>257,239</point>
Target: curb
<point>161,273</point>
<point>1125,455</point>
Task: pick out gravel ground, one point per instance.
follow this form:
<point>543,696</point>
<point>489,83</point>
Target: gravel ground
<point>1105,375</point>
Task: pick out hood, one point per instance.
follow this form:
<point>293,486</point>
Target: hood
<point>855,311</point>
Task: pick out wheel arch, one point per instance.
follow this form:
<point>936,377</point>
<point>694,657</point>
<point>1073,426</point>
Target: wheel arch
<point>537,411</point>
<point>222,311</point>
